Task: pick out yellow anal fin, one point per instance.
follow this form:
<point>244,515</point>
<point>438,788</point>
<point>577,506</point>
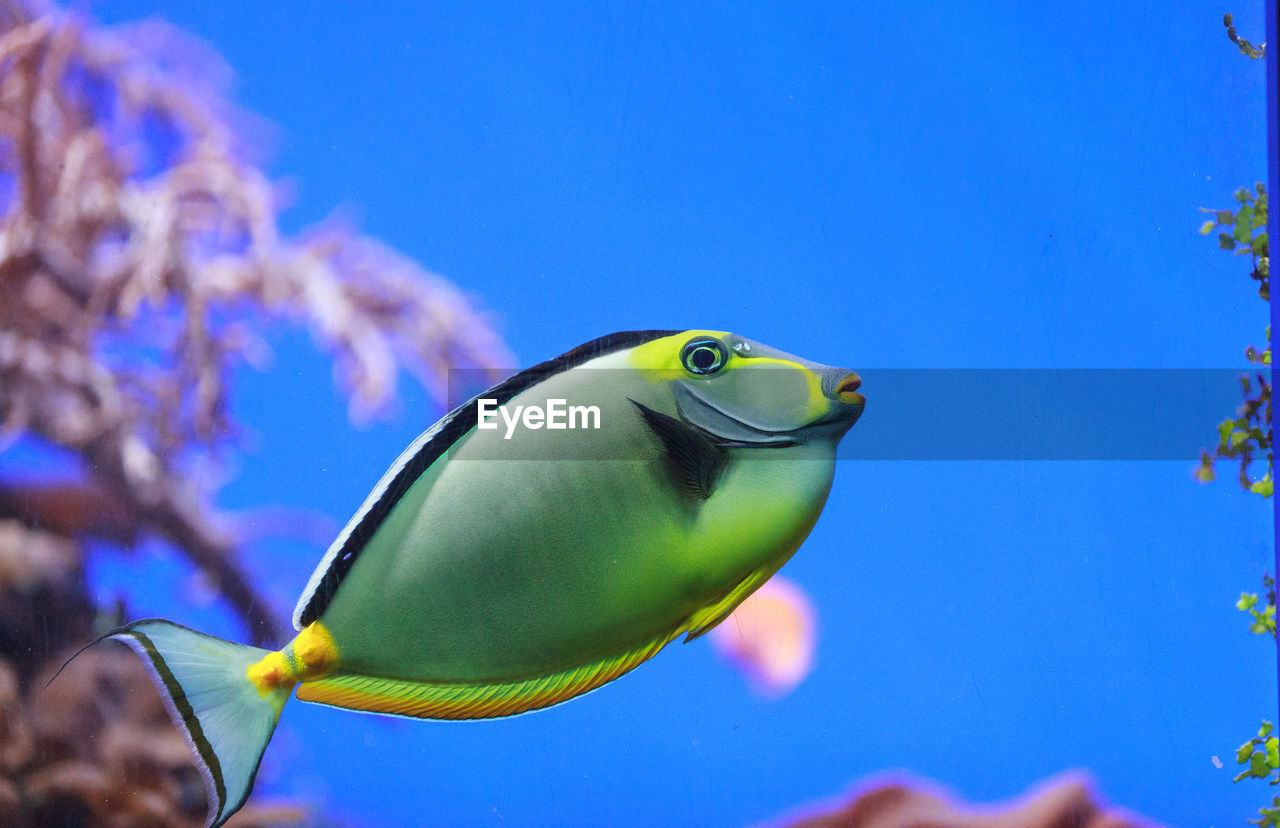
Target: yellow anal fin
<point>443,700</point>
<point>706,618</point>
<point>428,700</point>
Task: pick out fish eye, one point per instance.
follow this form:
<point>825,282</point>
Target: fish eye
<point>703,356</point>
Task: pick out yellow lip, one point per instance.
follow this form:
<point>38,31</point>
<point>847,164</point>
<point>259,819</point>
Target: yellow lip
<point>846,391</point>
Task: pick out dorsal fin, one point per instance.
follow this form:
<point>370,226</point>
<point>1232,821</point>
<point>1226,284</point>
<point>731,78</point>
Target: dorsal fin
<point>424,451</point>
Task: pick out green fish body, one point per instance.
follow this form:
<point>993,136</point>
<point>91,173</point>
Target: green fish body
<point>512,560</point>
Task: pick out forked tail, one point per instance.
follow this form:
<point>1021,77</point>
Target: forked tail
<point>225,717</point>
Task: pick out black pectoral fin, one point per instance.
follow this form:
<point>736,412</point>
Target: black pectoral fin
<point>694,459</point>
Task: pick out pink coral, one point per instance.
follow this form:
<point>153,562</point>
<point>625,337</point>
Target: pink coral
<point>770,637</point>
<point>1066,801</point>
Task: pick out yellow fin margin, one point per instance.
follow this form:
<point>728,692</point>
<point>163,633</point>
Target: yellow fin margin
<point>431,700</point>
<point>702,621</point>
<point>471,701</point>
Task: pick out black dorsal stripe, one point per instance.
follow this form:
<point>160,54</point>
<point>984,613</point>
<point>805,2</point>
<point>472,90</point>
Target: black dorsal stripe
<point>457,423</point>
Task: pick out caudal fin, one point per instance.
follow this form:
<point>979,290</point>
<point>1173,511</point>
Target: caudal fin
<point>205,686</point>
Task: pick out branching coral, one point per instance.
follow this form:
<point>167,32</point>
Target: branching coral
<point>139,252</point>
<point>94,747</point>
<point>138,249</point>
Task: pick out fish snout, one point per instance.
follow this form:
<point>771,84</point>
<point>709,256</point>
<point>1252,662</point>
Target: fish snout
<point>844,387</point>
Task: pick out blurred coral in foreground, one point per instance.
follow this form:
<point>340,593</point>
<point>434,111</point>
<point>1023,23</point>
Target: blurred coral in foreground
<point>138,254</point>
<point>770,637</point>
<point>1063,802</point>
<point>140,260</point>
<point>95,747</point>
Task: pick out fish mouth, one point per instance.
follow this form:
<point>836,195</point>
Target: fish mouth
<point>842,386</point>
<point>851,382</point>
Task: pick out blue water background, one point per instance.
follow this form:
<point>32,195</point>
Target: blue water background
<point>879,185</point>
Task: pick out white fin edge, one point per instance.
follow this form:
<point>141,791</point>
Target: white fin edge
<point>224,719</point>
<point>326,563</point>
<point>335,548</point>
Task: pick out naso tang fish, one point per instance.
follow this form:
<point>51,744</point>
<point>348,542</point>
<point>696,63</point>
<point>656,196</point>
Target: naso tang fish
<point>490,573</point>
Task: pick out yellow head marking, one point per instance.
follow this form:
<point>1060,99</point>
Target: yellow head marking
<point>659,360</point>
<point>818,403</point>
